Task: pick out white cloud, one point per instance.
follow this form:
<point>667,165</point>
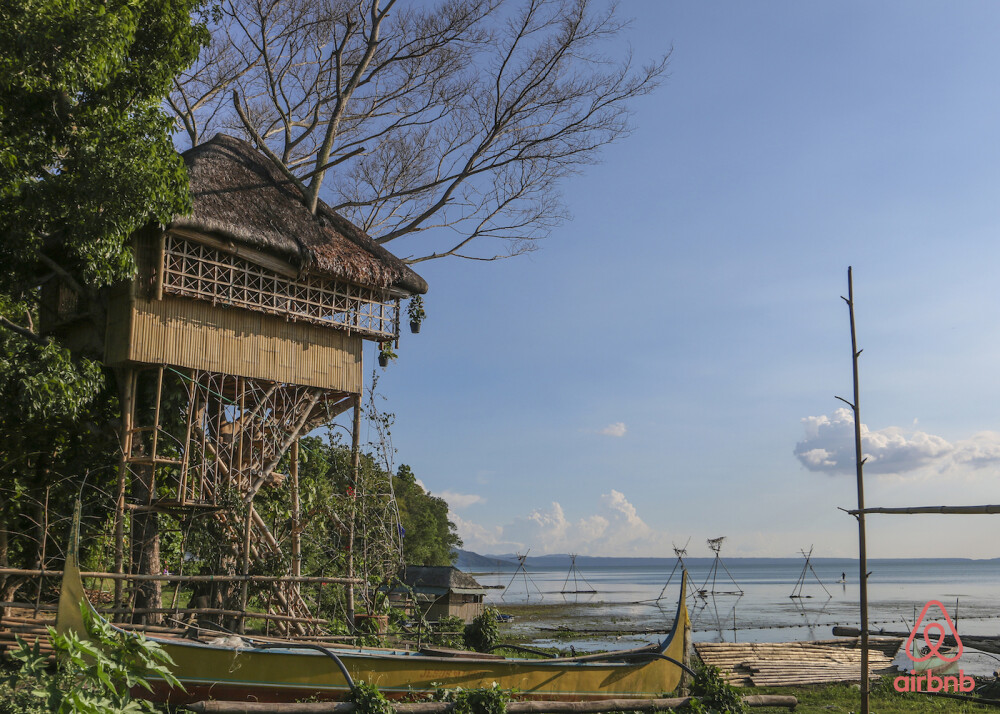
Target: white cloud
<point>616,529</point>
<point>617,429</point>
<point>461,500</point>
<point>479,538</point>
<point>828,447</point>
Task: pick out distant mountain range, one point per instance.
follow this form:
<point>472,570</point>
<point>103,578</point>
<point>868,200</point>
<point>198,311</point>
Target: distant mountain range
<point>470,561</point>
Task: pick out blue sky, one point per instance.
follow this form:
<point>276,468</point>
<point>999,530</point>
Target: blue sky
<point>665,366</point>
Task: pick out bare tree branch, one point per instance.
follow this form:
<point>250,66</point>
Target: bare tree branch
<point>472,112</point>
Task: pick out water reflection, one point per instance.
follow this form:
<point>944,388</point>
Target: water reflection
<point>814,618</point>
<point>719,615</point>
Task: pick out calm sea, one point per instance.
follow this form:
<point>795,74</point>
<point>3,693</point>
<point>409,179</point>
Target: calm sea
<point>635,598</point>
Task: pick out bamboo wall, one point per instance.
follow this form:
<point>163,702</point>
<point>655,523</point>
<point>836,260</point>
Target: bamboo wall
<point>199,335</point>
<point>468,607</point>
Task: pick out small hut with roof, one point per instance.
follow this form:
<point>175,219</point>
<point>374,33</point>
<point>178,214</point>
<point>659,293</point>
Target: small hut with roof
<point>444,591</point>
<point>255,310</point>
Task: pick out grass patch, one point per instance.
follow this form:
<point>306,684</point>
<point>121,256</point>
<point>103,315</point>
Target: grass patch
<point>844,698</point>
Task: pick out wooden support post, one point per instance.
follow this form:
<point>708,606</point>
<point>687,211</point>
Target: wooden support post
<point>126,390</point>
<point>296,513</point>
<point>355,476</point>
<point>860,461</point>
<point>146,525</point>
<point>156,426</point>
<point>182,486</point>
<point>161,266</point>
<point>245,586</point>
<point>238,461</point>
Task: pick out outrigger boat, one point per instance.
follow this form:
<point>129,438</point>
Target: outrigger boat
<point>249,670</point>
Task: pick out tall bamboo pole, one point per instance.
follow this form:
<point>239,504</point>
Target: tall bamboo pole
<point>860,515</point>
<point>126,388</point>
<point>355,474</point>
<point>296,514</point>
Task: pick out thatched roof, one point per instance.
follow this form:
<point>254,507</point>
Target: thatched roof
<point>442,579</point>
<point>239,194</point>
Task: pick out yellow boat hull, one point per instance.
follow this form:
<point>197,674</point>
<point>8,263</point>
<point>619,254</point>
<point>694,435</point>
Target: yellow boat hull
<point>209,672</point>
<point>282,673</point>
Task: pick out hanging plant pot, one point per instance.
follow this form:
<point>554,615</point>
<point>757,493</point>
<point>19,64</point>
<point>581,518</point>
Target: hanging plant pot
<point>414,326</point>
<point>383,360</point>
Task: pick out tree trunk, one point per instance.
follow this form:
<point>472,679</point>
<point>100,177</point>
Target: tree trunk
<point>145,524</point>
<point>146,547</point>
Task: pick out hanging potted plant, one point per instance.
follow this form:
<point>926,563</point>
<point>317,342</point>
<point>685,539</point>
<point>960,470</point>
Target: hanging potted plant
<point>385,354</point>
<point>416,313</point>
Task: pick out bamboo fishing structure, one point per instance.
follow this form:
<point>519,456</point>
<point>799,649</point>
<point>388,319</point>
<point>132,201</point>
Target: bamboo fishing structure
<point>715,545</point>
<point>806,569</point>
<point>522,570</point>
<point>577,576</point>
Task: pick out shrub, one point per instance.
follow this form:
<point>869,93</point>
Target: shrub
<point>370,700</point>
<point>713,694</point>
<point>483,633</point>
<point>92,676</point>
<point>485,700</point>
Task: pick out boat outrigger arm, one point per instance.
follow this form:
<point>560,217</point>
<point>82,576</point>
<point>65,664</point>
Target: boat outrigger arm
<point>290,671</point>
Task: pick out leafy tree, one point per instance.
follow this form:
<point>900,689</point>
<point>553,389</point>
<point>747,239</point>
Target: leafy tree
<point>430,537</point>
<point>85,151</point>
<point>85,160</point>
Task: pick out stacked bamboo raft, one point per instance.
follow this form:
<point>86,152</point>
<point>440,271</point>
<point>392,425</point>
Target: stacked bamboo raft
<point>28,625</point>
<point>777,664</point>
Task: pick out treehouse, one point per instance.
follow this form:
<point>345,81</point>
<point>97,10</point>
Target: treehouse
<point>242,331</point>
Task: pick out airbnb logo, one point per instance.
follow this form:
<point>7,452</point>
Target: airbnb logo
<point>933,635</point>
<point>934,647</point>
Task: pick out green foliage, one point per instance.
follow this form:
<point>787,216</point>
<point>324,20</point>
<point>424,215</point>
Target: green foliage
<point>713,694</point>
<point>85,151</point>
<point>415,310</point>
<point>431,538</point>
<point>92,676</point>
<point>369,699</point>
<point>448,631</point>
<point>56,417</point>
<point>483,633</point>
<point>86,159</point>
<point>485,700</point>
<point>385,350</point>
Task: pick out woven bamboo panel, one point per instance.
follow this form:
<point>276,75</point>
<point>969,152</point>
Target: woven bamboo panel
<point>199,335</point>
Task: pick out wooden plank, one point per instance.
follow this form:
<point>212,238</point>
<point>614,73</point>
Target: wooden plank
<point>593,707</point>
<point>786,663</point>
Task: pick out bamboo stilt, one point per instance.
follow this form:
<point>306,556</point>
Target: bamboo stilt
<point>126,382</point>
<point>296,515</point>
<point>355,474</point>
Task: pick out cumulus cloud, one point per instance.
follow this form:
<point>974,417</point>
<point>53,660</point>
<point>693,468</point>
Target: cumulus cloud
<point>461,500</point>
<point>828,447</point>
<point>480,538</point>
<point>617,429</point>
<point>615,529</point>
